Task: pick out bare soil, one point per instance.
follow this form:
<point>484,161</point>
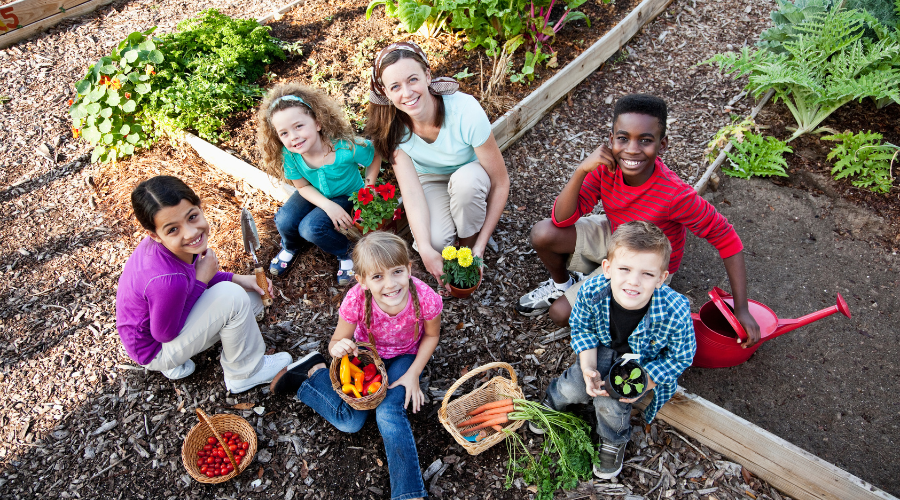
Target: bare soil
<point>79,419</point>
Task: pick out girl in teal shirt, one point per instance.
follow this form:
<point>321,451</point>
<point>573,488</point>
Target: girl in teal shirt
<point>306,140</point>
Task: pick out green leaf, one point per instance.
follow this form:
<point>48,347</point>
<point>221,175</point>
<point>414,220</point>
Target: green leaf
<point>639,387</point>
<point>97,153</point>
<point>105,126</point>
<point>91,134</point>
<point>108,138</point>
<point>82,87</point>
<point>156,57</point>
<point>106,112</point>
<point>626,389</point>
<point>108,69</point>
<point>93,108</point>
<point>130,56</point>
<point>135,38</point>
<point>147,46</point>
<point>133,138</point>
<point>124,130</point>
<point>635,373</point>
<point>618,380</point>
<point>114,99</point>
<point>128,149</point>
<point>129,106</point>
<point>96,94</point>
<point>142,88</point>
<point>133,77</point>
<point>78,111</point>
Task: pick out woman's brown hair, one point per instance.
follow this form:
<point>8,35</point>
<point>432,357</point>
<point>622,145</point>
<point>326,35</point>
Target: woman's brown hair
<point>378,251</point>
<point>385,124</point>
<point>321,107</point>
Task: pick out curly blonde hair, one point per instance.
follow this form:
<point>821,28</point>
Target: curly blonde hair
<point>322,108</point>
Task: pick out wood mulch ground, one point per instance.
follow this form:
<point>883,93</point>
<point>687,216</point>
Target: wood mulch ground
<point>78,419</point>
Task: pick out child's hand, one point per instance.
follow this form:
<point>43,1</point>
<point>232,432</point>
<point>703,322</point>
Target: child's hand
<point>206,266</point>
<point>593,384</point>
<point>248,282</point>
<point>339,217</point>
<point>650,385</point>
<point>751,327</point>
<point>600,156</point>
<point>413,391</point>
<point>343,348</point>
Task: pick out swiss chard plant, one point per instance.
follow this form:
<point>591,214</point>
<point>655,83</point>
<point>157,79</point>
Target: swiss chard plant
<point>825,66</point>
<point>864,159</point>
<point>758,155</point>
<point>414,15</point>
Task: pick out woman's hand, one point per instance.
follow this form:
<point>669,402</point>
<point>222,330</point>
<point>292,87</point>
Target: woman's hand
<point>248,282</point>
<point>344,347</point>
<point>339,217</point>
<point>434,263</point>
<point>413,391</point>
<point>206,266</point>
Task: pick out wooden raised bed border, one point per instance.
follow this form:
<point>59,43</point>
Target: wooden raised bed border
<point>788,468</point>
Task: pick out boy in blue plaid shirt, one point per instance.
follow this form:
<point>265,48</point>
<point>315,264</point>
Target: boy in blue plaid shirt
<point>626,310</point>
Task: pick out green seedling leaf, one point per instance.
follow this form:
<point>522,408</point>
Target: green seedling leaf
<point>635,373</point>
<point>108,138</point>
<point>626,389</point>
<point>619,380</point>
<point>639,388</point>
<point>96,94</point>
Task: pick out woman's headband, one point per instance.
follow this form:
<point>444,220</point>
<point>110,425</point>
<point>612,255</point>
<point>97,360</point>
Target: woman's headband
<point>289,98</point>
<point>438,86</point>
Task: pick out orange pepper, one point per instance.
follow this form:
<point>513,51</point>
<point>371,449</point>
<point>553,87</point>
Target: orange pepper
<point>373,387</point>
<point>358,381</point>
<point>348,369</point>
<point>350,389</point>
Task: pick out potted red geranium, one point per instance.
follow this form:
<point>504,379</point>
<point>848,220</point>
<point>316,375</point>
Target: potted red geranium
<point>374,207</point>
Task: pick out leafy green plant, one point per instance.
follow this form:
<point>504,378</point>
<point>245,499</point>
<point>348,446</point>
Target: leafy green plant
<point>735,130</point>
<point>374,206</point>
<point>865,159</point>
<point>539,26</point>
<point>414,14</point>
<point>628,383</point>
<point>532,59</point>
<point>567,455</point>
<point>826,66</point>
<point>757,155</point>
<point>463,74</point>
<point>107,111</point>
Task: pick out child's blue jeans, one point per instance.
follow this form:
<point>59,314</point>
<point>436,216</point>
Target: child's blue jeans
<point>299,220</point>
<point>399,445</point>
<point>613,417</point>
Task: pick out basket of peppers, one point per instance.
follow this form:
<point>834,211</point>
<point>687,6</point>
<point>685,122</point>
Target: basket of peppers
<point>361,381</point>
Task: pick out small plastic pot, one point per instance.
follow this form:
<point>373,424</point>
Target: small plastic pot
<point>623,367</point>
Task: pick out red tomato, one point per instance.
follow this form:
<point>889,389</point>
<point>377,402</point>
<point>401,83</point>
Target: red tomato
<point>204,469</point>
<point>245,445</point>
<point>210,473</point>
<point>210,460</point>
<point>232,447</point>
<point>207,447</point>
<point>200,462</point>
<point>240,453</point>
<point>221,453</point>
<point>211,440</point>
<point>227,435</point>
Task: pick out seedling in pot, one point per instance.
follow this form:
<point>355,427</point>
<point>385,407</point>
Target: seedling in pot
<point>633,380</point>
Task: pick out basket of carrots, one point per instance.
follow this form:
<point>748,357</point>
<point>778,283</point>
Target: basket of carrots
<point>480,419</point>
<point>361,381</point>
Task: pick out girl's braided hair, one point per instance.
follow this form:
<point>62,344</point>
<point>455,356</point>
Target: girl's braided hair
<point>319,105</point>
<point>378,251</point>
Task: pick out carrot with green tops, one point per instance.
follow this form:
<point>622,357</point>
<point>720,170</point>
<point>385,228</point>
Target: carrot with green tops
<point>495,411</point>
<point>489,406</point>
<point>478,419</point>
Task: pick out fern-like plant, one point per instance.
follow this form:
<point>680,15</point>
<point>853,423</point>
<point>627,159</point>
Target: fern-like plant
<point>757,155</point>
<point>864,159</point>
<point>824,67</point>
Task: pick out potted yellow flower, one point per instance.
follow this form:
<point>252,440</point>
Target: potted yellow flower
<point>462,271</point>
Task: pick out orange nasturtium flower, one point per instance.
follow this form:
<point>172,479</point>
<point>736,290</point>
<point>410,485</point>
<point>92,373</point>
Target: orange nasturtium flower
<point>115,84</point>
<point>127,95</point>
<point>76,132</point>
<point>104,80</point>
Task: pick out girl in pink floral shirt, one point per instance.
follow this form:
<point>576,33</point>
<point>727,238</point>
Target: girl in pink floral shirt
<point>401,317</point>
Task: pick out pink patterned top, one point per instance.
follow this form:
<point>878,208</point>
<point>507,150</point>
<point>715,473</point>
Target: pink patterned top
<point>394,335</point>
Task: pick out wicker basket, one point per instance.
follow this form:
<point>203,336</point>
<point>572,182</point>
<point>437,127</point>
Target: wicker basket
<point>218,424</point>
<point>367,354</point>
<point>454,412</point>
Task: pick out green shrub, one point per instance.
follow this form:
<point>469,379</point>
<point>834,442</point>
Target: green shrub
<point>188,80</point>
<point>757,155</point>
<point>864,159</point>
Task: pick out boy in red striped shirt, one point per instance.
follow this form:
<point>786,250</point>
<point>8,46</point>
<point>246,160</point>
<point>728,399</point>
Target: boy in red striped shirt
<point>634,184</point>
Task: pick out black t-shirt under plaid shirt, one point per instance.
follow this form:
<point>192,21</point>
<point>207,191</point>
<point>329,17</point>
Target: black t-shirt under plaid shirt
<point>622,323</point>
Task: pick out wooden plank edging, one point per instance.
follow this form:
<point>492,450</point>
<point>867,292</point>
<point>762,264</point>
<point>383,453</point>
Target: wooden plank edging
<point>22,33</point>
<point>515,122</point>
<point>788,468</point>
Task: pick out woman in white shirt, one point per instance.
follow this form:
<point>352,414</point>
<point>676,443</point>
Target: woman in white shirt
<point>451,173</point>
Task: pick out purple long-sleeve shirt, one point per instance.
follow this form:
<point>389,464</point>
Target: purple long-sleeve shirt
<point>157,291</point>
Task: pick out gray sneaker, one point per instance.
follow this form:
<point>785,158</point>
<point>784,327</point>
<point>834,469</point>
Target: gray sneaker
<point>180,371</point>
<point>272,364</point>
<point>537,301</point>
<point>611,458</point>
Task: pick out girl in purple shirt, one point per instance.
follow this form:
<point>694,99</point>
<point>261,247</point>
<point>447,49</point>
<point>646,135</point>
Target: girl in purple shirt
<point>173,302</point>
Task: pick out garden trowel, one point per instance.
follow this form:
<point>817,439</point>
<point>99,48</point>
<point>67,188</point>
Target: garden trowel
<point>251,245</point>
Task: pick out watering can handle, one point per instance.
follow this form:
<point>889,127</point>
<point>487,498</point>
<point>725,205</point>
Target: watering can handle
<point>717,294</point>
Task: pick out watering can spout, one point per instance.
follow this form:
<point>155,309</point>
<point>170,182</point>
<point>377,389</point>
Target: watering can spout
<point>786,325</point>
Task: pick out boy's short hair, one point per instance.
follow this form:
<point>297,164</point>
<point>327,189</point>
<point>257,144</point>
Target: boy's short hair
<point>644,104</point>
<point>641,236</point>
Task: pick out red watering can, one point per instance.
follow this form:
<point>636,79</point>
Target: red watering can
<point>717,328</point>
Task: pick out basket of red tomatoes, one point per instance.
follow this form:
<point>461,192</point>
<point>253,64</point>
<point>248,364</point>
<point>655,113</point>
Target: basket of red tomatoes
<point>218,448</point>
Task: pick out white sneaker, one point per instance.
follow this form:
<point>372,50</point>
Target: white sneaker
<point>271,366</point>
<point>535,429</point>
<point>539,300</point>
<point>180,371</point>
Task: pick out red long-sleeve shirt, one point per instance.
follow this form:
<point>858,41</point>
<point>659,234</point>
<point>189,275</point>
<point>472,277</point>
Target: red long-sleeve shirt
<point>665,200</point>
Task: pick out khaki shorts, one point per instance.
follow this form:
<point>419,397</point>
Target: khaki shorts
<point>592,235</point>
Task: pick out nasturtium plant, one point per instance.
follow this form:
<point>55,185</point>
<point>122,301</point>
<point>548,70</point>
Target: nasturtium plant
<point>106,111</point>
